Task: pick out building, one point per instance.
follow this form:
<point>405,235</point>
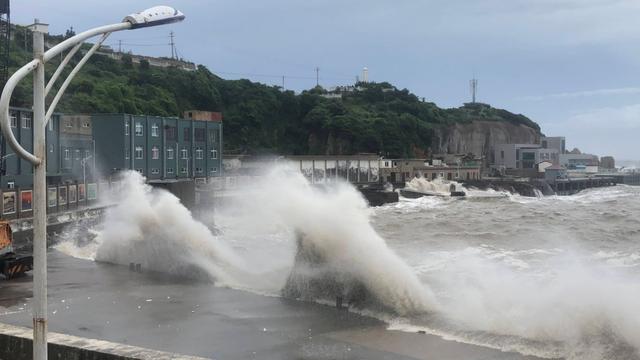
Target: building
<point>522,156</point>
<point>607,162</point>
<point>554,142</point>
<point>402,170</point>
<point>555,172</point>
<point>160,148</point>
<point>573,161</point>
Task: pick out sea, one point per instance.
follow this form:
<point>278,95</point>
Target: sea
<point>552,276</point>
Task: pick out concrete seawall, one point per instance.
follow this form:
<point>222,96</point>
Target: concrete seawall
<point>16,344</point>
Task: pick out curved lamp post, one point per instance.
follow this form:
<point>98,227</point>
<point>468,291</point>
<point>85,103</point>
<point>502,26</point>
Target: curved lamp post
<point>158,15</point>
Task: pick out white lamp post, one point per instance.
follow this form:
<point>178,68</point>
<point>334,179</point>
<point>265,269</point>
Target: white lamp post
<point>158,15</point>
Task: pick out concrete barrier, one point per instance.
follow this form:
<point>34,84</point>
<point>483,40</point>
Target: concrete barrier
<point>16,344</point>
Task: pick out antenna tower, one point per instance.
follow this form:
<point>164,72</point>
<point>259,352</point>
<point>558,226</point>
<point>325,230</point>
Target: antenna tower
<point>473,84</point>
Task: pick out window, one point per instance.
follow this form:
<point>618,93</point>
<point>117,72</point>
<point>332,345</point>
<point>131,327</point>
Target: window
<point>50,148</point>
<point>170,154</point>
<point>67,123</point>
<point>77,154</point>
<point>186,134</point>
<point>155,171</point>
<point>139,129</point>
<point>185,153</point>
<point>169,170</point>
<point>183,170</point>
<point>87,154</point>
<point>126,153</point>
<point>86,124</point>
<point>50,124</point>
<point>171,133</point>
<point>214,170</point>
<point>214,154</point>
<point>126,128</point>
<point>155,153</point>
<point>67,154</point>
<point>501,154</point>
<point>139,170</point>
<point>154,130</point>
<point>27,121</point>
<point>13,117</point>
<point>199,153</point>
<point>198,134</point>
<point>198,170</point>
<point>139,152</point>
<point>213,136</point>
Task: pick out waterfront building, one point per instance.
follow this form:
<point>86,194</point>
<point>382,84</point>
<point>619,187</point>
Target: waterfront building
<point>160,148</point>
<point>402,170</point>
<point>574,161</point>
<point>523,156</point>
<point>607,162</point>
<point>554,142</point>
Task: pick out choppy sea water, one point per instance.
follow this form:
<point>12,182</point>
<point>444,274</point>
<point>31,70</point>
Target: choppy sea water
<point>552,276</point>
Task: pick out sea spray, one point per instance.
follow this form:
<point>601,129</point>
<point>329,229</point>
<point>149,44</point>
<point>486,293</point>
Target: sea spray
<point>335,222</point>
<point>152,228</point>
<point>437,185</point>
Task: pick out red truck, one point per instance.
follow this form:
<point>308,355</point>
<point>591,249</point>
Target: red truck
<point>11,265</point>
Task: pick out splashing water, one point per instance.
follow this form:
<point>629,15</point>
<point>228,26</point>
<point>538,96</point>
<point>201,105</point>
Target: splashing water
<point>437,185</point>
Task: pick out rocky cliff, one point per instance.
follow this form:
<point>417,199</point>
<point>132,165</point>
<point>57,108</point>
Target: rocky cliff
<point>480,136</point>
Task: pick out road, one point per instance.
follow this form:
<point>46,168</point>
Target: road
<point>109,302</point>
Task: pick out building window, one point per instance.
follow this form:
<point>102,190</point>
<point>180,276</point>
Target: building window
<point>199,153</point>
<point>169,170</point>
<point>139,129</point>
<point>67,123</point>
<point>77,154</point>
<point>502,154</point>
<point>51,148</point>
<point>154,130</point>
<point>126,153</point>
<point>214,154</point>
<point>171,133</point>
<point>198,170</point>
<point>155,153</point>
<point>27,121</point>
<point>67,154</point>
<point>13,117</point>
<point>139,152</point>
<point>213,136</point>
<point>87,154</point>
<point>169,154</point>
<point>50,124</point>
<point>126,128</point>
<point>214,170</point>
<point>183,170</point>
<point>86,124</point>
<point>155,171</point>
<point>139,170</point>
<point>185,153</point>
<point>198,134</point>
<point>186,134</point>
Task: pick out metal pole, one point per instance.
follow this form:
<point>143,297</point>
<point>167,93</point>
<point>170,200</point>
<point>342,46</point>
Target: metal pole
<point>39,202</point>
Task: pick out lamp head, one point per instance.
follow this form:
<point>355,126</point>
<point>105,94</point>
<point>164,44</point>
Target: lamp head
<point>157,15</point>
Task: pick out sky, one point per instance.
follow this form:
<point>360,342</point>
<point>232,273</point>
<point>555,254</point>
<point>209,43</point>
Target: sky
<point>573,66</point>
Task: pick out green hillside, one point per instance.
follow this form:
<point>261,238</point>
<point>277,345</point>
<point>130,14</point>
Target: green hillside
<point>373,118</point>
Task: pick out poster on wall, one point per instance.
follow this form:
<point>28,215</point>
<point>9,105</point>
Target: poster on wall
<point>81,192</point>
<point>62,195</point>
<point>26,200</point>
<point>92,191</point>
<point>52,197</point>
<point>9,202</point>
<point>72,194</point>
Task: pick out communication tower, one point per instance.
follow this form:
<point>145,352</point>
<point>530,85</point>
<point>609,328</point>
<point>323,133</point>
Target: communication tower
<point>473,84</point>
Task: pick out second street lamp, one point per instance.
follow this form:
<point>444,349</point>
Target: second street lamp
<point>158,15</point>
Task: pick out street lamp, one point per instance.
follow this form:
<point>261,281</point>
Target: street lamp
<point>158,15</point>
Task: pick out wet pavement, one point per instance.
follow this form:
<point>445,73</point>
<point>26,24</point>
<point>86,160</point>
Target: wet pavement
<point>109,302</point>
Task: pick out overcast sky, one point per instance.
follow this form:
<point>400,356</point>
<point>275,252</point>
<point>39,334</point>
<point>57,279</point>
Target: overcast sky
<point>571,65</point>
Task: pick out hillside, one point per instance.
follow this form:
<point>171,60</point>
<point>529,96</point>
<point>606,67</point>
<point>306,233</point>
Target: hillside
<point>372,117</point>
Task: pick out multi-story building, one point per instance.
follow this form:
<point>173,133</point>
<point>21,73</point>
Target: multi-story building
<point>160,148</point>
<point>608,162</point>
<point>554,142</point>
<point>401,170</point>
<point>523,156</point>
<point>571,161</point>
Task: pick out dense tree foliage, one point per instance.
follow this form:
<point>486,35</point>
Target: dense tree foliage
<point>371,117</point>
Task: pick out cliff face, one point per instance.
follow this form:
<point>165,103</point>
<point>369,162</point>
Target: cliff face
<point>480,136</point>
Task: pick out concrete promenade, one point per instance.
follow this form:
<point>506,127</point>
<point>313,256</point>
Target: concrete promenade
<point>106,302</point>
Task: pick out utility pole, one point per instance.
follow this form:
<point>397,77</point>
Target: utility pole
<point>317,76</point>
<point>282,82</point>
<point>120,46</point>
<point>173,45</point>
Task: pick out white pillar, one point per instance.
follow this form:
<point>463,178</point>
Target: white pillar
<point>39,201</point>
